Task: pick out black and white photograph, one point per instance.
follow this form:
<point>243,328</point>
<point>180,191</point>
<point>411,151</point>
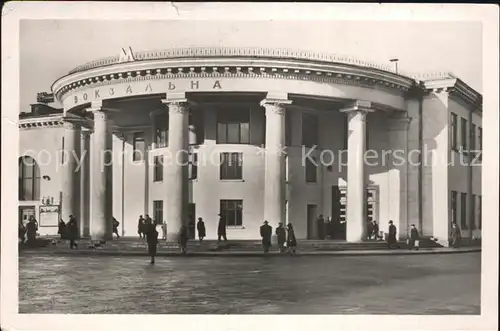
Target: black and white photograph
<point>202,164</point>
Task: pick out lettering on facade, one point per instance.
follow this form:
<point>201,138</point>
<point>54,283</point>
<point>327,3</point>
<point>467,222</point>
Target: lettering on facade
<point>126,55</point>
<point>87,96</point>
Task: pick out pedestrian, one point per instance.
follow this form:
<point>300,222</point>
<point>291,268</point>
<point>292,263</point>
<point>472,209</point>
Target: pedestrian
<point>31,229</point>
<point>391,239</point>
<point>281,235</point>
<point>148,221</point>
<point>115,227</point>
<point>376,230</point>
<point>291,242</point>
<point>221,229</point>
<point>265,232</point>
<point>22,232</point>
<point>140,227</point>
<point>164,230</point>
<point>321,227</point>
<point>61,229</point>
<point>413,241</point>
<point>183,238</point>
<point>369,229</point>
<point>152,239</point>
<point>455,236</point>
<point>200,226</point>
<point>72,229</point>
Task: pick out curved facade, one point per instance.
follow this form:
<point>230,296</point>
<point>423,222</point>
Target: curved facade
<point>257,134</point>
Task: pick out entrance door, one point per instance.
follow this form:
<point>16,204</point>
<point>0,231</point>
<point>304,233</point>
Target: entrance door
<point>25,213</point>
<point>191,220</point>
<point>312,215</point>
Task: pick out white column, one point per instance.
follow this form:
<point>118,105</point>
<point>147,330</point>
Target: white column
<point>176,171</point>
<point>398,174</point>
<point>101,195</point>
<point>85,184</point>
<point>274,189</point>
<point>356,197</point>
<point>70,174</point>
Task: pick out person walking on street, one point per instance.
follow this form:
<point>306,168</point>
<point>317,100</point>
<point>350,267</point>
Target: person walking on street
<point>376,230</point>
<point>61,229</point>
<point>266,232</point>
<point>115,227</point>
<point>31,229</point>
<point>140,227</point>
<point>281,234</point>
<point>151,236</point>
<point>291,242</point>
<point>413,242</point>
<point>200,226</point>
<point>72,232</point>
<point>455,236</point>
<point>391,239</point>
<point>221,229</point>
<point>183,238</point>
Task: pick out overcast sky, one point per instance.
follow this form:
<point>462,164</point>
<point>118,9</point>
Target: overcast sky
<point>50,48</point>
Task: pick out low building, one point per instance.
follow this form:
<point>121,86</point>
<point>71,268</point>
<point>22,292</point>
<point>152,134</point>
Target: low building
<point>258,134</point>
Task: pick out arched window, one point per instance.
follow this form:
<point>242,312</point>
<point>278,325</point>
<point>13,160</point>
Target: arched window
<point>29,179</point>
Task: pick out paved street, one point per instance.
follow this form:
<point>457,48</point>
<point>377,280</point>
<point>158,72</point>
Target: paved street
<point>418,284</point>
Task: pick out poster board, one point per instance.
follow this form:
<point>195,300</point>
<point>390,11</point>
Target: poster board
<point>49,216</point>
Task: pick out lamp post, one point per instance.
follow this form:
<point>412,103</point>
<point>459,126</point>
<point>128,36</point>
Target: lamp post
<point>396,62</point>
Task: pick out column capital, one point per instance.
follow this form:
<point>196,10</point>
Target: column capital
<point>86,133</point>
<point>275,99</point>
<point>95,106</point>
<point>100,114</point>
<point>360,106</point>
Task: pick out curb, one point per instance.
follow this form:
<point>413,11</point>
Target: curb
<point>246,254</point>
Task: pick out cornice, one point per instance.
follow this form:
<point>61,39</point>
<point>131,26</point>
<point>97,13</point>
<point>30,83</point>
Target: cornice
<point>41,122</point>
<point>337,74</point>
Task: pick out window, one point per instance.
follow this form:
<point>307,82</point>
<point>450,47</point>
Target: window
<point>288,128</point>
<point>158,168</point>
<point>454,132</point>
<point>139,146</point>
<point>473,210</point>
<point>29,179</point>
<point>231,166</point>
<point>480,141</point>
<point>161,130</point>
<point>62,151</point>
<point>309,130</point>
<point>158,211</point>
<point>232,212</point>
<point>233,126</point>
<point>463,135</point>
<point>463,210</point>
<point>454,207</point>
<point>473,137</point>
<point>193,166</point>
<point>479,213</point>
<point>311,170</point>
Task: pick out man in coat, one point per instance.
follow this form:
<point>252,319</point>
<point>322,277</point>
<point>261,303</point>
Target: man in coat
<point>152,239</point>
<point>281,235</point>
<point>31,229</point>
<point>455,236</point>
<point>414,237</point>
<point>391,239</point>
<point>291,239</point>
<point>183,238</point>
<point>200,226</point>
<point>115,227</point>
<point>140,227</point>
<point>321,227</point>
<point>265,232</point>
<point>221,229</point>
<point>72,232</point>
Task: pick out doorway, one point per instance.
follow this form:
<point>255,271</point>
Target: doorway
<point>24,214</point>
<point>312,215</point>
<point>191,220</point>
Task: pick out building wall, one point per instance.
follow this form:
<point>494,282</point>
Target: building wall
<point>44,145</point>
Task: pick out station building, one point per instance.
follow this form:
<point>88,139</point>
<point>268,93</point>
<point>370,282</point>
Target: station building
<point>252,134</point>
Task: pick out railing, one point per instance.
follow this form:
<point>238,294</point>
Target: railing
<point>206,52</point>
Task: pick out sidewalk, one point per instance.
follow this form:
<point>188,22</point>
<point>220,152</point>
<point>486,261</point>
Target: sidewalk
<point>103,251</point>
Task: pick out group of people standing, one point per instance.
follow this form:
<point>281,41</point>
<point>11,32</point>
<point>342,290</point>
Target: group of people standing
<point>283,235</point>
<point>69,231</point>
<point>28,230</point>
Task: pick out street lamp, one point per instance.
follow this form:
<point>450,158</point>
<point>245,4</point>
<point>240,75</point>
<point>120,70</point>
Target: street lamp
<point>396,62</point>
